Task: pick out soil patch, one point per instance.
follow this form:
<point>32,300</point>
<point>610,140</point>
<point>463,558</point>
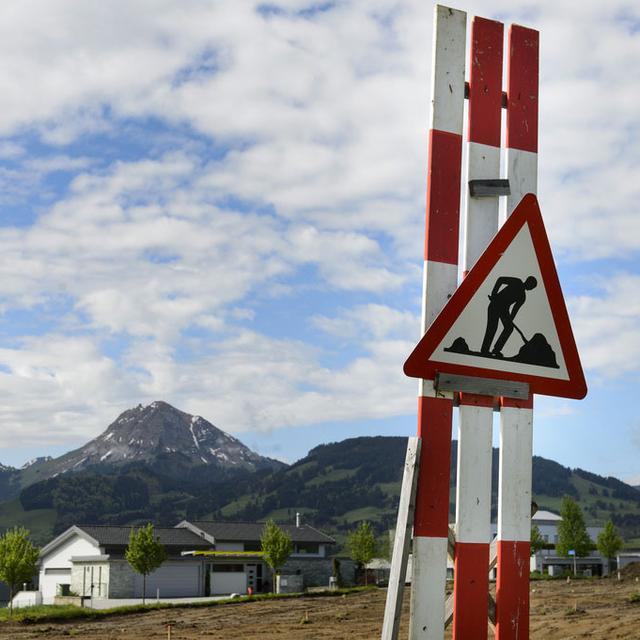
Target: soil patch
<point>595,609</point>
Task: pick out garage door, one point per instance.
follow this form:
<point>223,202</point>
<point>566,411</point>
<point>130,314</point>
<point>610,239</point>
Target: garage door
<point>173,579</point>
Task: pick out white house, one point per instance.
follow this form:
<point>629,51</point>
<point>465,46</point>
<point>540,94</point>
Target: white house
<point>204,558</point>
<point>89,561</point>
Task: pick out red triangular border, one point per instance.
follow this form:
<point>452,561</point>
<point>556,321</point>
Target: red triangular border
<point>419,365</point>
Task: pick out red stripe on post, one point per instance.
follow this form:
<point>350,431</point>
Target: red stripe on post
<point>515,403</point>
<point>512,591</point>
<point>522,92</point>
<point>471,597</point>
<point>485,82</point>
<point>443,197</point>
<point>432,497</point>
<point>475,400</point>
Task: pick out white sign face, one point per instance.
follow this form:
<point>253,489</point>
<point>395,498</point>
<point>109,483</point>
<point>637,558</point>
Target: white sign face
<point>507,320</point>
<point>507,325</point>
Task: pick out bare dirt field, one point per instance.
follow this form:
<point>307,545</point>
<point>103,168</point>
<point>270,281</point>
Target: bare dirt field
<point>598,609</point>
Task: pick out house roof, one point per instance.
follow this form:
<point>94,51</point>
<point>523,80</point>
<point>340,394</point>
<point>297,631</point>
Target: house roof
<point>252,531</point>
<point>113,536</point>
<point>546,515</point>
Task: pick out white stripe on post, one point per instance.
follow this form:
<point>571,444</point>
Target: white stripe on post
<point>522,171</point>
<point>427,601</point>
<point>447,70</point>
<point>481,220</point>
<point>440,281</point>
<point>514,497</point>
<point>473,491</point>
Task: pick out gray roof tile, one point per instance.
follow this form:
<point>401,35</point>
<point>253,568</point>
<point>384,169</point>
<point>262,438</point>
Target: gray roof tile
<point>107,535</point>
<point>252,531</point>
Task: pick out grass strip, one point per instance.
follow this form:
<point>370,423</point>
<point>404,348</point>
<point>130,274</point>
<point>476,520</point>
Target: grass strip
<point>64,613</point>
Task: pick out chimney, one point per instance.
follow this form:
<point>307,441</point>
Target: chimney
<point>298,519</point>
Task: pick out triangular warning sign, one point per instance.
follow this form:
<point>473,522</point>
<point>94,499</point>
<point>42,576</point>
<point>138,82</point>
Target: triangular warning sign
<point>507,320</point>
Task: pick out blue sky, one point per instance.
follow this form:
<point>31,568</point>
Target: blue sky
<point>221,205</point>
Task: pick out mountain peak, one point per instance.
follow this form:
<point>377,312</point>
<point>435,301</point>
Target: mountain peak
<point>158,434</point>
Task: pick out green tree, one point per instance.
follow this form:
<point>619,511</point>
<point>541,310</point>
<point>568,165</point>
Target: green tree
<point>18,560</point>
<point>144,553</point>
<point>276,547</point>
<point>537,541</point>
<point>384,546</point>
<point>609,542</point>
<point>572,531</point>
<point>362,546</point>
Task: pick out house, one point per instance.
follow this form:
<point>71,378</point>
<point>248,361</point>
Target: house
<point>204,558</point>
<point>548,561</point>
<point>236,570</point>
<point>88,560</point>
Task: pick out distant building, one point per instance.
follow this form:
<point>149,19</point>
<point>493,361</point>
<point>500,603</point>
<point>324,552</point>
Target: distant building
<point>88,561</point>
<point>235,574</point>
<point>548,561</point>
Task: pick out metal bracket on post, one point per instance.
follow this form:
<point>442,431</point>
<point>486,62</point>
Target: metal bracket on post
<point>489,187</point>
<point>481,386</point>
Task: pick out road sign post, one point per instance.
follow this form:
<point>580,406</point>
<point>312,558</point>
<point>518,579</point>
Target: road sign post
<point>475,432</point>
<point>516,417</point>
<point>503,335</point>
<point>431,520</point>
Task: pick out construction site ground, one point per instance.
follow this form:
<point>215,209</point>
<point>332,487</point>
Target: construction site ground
<point>595,609</point>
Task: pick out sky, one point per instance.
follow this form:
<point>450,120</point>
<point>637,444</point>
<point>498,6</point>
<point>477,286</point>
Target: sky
<point>221,205</point>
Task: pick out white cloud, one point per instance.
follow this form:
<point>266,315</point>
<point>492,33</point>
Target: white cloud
<point>57,389</point>
<point>607,327</point>
<point>316,124</point>
<point>371,320</point>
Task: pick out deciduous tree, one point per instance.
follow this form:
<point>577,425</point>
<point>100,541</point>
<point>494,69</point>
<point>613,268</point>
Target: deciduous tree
<point>609,542</point>
<point>276,547</point>
<point>362,546</point>
<point>572,531</point>
<point>18,560</point>
<point>145,553</point>
<point>537,541</point>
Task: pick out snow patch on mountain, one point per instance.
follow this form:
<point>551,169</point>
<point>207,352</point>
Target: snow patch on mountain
<point>157,434</point>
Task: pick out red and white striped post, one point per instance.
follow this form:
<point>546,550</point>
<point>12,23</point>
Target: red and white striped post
<point>473,492</point>
<point>431,521</point>
<point>516,417</point>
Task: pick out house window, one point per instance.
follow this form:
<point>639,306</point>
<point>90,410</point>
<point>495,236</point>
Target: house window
<point>307,547</point>
<point>57,572</point>
<point>228,568</point>
<point>252,546</point>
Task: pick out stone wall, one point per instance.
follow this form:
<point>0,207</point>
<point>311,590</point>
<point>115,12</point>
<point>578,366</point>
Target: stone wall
<point>290,584</point>
<point>122,580</point>
<point>317,571</point>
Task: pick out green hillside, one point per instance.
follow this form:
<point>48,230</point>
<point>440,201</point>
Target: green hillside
<point>335,486</point>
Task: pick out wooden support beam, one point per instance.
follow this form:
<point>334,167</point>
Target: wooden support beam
<point>451,544</point>
<point>493,553</point>
<point>406,510</point>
